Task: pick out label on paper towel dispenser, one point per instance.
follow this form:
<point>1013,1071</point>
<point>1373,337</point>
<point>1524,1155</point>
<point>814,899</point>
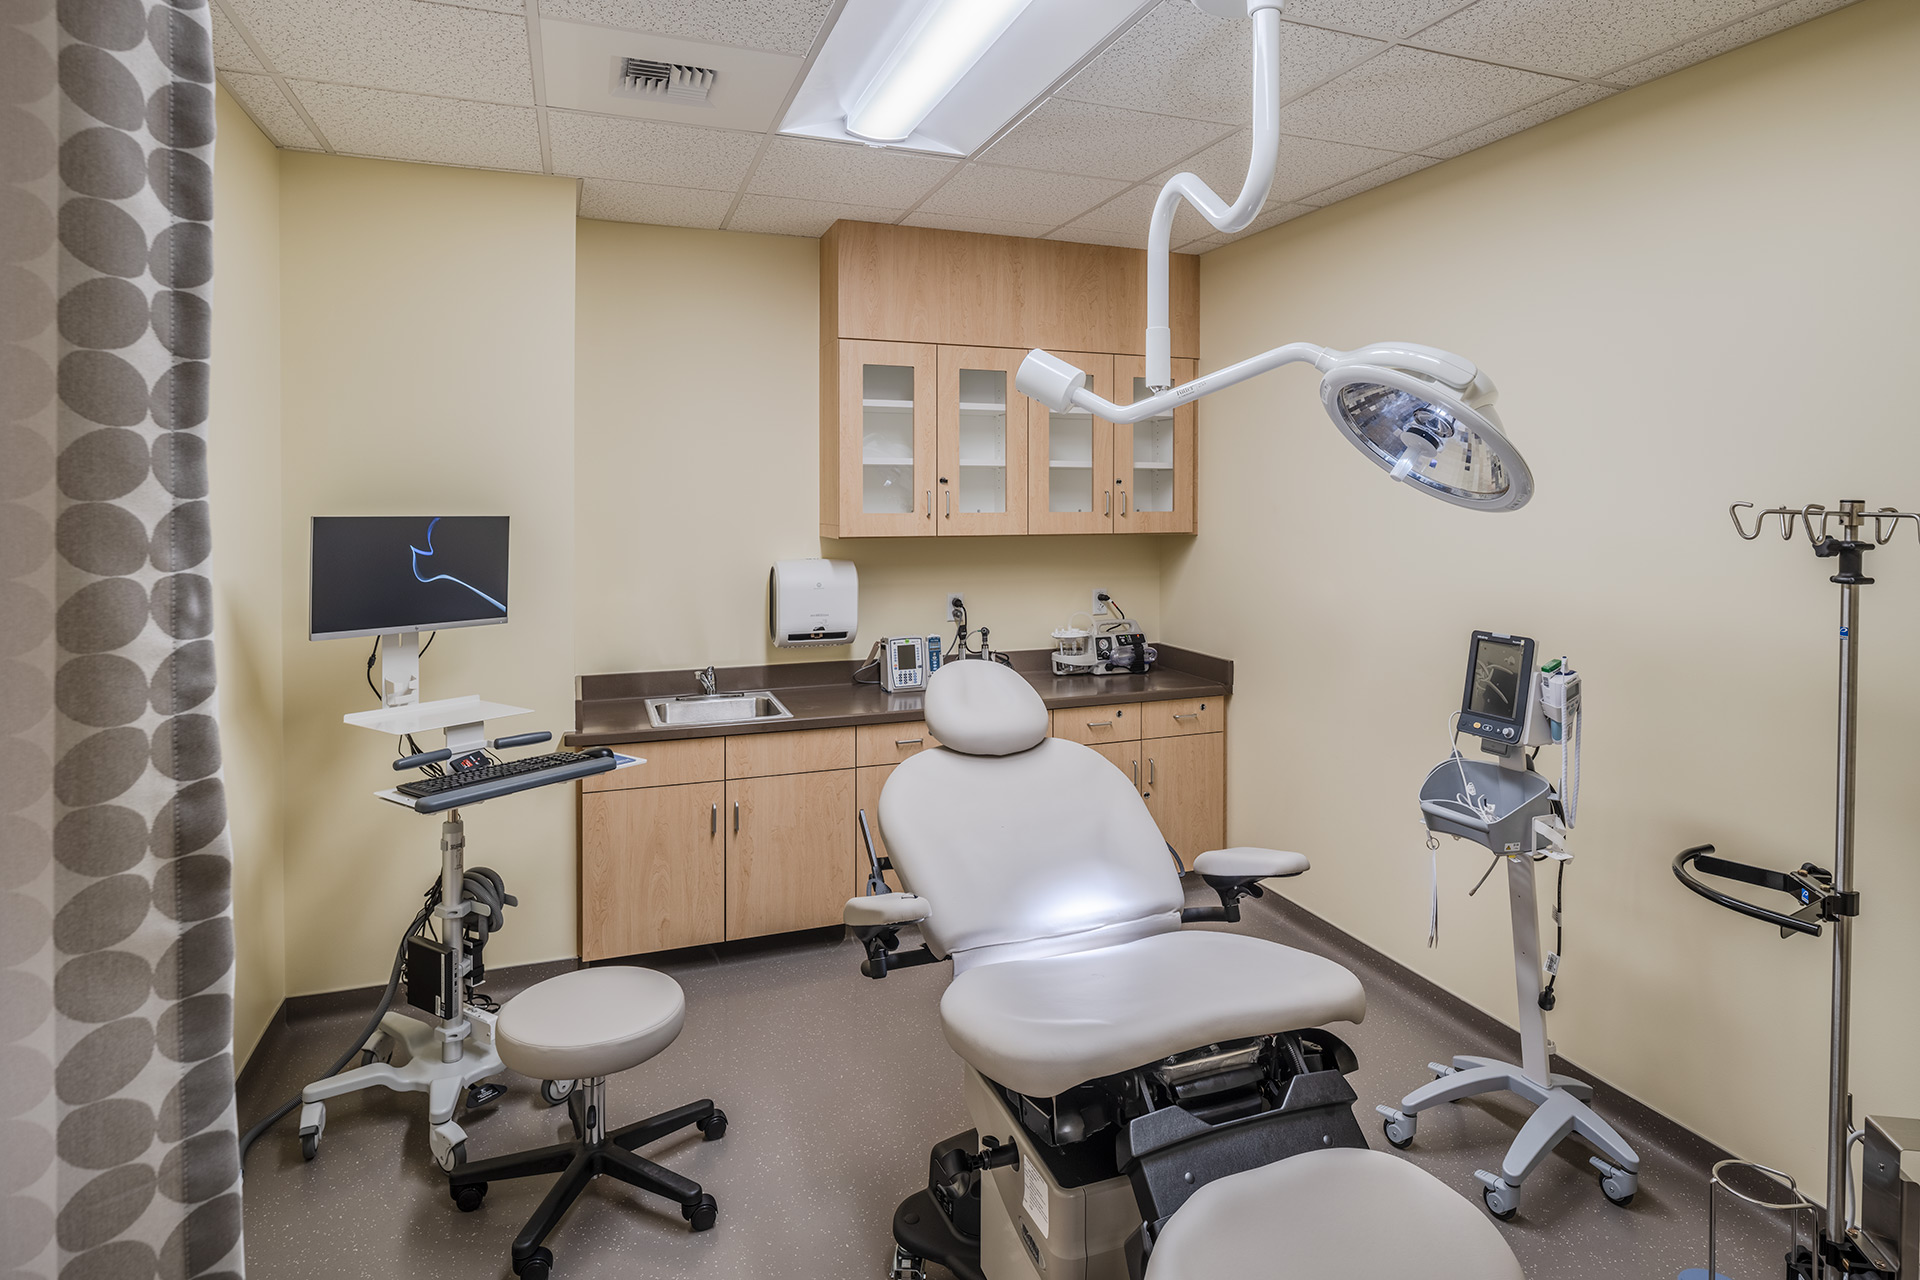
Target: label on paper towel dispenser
<point>1033,1194</point>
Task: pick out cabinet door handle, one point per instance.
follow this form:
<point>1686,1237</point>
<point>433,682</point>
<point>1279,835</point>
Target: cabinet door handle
<point>736,817</point>
<point>1191,715</point>
<point>1123,502</point>
<point>908,742</point>
<point>949,493</point>
<point>713,824</point>
<point>1136,775</point>
<point>1099,724</point>
<point>1149,770</point>
<point>1109,497</point>
<point>929,504</point>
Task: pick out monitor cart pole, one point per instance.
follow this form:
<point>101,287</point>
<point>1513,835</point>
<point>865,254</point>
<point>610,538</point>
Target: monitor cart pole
<point>1827,897</point>
<point>440,1060</point>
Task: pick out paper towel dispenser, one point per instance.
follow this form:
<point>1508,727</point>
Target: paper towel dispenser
<point>811,603</point>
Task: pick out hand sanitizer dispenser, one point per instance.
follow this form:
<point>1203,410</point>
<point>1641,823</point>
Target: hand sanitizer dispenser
<point>813,603</point>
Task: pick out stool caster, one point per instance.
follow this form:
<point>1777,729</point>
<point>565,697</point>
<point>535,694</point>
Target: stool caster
<point>714,1127</point>
<point>538,1265</point>
<point>702,1213</point>
<point>469,1197</point>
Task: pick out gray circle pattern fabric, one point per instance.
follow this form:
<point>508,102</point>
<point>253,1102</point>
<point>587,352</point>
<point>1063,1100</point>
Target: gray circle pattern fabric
<point>118,1154</point>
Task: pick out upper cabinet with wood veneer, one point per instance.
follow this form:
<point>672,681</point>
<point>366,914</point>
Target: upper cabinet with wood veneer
<point>922,433</point>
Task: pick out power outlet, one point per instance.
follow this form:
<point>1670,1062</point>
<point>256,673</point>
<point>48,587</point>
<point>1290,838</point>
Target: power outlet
<point>1099,609</point>
<point>956,606</point>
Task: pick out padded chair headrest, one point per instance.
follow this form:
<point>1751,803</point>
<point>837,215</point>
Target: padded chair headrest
<point>984,709</point>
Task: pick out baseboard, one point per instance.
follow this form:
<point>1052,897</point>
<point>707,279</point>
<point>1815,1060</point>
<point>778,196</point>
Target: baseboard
<point>1628,1111</point>
<point>297,1009</point>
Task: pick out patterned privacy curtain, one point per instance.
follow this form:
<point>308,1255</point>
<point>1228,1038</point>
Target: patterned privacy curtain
<point>117,1143</point>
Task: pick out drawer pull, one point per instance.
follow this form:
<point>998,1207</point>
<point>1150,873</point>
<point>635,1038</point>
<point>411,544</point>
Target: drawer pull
<point>1099,724</point>
<point>713,825</point>
<point>1149,770</point>
<point>908,742</point>
<point>736,817</point>
<point>1191,715</point>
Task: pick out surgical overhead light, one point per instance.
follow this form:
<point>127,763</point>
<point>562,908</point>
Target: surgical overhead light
<point>1423,415</point>
<point>937,48</point>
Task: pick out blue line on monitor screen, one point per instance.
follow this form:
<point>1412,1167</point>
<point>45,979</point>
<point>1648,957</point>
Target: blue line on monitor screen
<point>377,575</point>
<point>447,577</point>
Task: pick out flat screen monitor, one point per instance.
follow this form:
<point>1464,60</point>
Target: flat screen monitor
<point>380,575</point>
<point>1495,703</point>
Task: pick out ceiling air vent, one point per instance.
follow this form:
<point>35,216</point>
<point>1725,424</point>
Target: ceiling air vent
<point>666,81</point>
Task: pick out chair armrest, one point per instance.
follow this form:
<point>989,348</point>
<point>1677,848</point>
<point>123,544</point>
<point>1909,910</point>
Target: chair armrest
<point>879,909</point>
<point>1235,874</point>
<point>1247,863</point>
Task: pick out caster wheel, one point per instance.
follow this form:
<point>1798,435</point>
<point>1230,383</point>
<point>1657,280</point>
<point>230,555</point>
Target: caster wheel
<point>554,1092</point>
<point>309,1145</point>
<point>714,1127</point>
<point>538,1266</point>
<point>470,1197</point>
<point>702,1213</point>
<point>1398,1144</point>
<point>1622,1201</point>
<point>454,1158</point>
<point>1493,1206</point>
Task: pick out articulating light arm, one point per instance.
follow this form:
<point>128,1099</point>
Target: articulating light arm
<point>1224,216</point>
<point>1058,385</point>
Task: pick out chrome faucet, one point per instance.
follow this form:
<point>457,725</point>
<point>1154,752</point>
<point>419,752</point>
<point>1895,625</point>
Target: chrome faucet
<point>706,681</point>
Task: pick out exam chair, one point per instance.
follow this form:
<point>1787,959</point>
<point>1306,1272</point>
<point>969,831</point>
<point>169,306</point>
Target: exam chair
<point>1147,1101</point>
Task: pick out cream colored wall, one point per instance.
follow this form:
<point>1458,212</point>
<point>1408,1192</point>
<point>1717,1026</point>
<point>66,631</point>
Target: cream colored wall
<point>1695,292</point>
<point>698,460</point>
<point>428,339</point>
<point>243,460</point>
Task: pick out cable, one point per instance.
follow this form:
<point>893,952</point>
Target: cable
<point>1559,935</point>
<point>370,660</point>
<point>373,1024</point>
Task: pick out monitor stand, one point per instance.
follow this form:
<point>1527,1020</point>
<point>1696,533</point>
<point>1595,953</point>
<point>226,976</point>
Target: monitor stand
<point>400,669</point>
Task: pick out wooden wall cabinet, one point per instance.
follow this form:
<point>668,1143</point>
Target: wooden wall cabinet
<point>922,433</point>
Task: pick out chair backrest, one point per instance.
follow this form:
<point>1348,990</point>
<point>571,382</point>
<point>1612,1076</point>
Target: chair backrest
<point>1023,844</point>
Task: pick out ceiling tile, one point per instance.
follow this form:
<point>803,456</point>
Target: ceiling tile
<point>984,226</point>
<point>1369,180</point>
<point>1406,99</point>
<point>492,6</point>
<point>1577,37</point>
<point>663,206</point>
<point>1080,234</point>
<point>405,126</point>
<point>780,26</point>
<point>1020,195</point>
<point>1388,19</point>
<point>803,169</point>
<point>230,52</point>
<point>403,45</point>
<point>776,215</point>
<point>262,98</point>
<point>1306,165</point>
<point>1101,142</point>
<point>1179,61</point>
<point>1272,216</point>
<point>651,151</point>
<point>1730,37</point>
<point>1132,211</point>
<point>1539,113</point>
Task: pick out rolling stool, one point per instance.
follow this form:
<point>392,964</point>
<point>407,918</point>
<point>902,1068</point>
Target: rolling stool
<point>584,1026</point>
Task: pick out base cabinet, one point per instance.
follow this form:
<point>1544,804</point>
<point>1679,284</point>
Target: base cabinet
<point>653,872</point>
<point>786,852</point>
<point>1184,781</point>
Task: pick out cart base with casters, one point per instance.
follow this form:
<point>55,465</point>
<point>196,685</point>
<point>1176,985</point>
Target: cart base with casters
<point>417,1047</point>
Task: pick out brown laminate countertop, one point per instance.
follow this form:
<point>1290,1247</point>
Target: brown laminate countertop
<point>611,709</point>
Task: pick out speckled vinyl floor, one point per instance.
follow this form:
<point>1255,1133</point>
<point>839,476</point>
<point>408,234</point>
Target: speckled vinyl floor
<point>835,1087</point>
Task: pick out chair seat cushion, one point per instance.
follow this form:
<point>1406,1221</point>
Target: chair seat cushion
<point>591,1022</point>
<point>1041,1026</point>
<point>1359,1215</point>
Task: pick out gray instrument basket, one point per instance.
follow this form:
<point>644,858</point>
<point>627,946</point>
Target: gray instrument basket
<point>1519,796</point>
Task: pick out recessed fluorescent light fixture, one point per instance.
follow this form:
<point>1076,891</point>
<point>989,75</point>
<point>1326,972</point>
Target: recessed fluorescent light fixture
<point>946,75</point>
<point>943,44</point>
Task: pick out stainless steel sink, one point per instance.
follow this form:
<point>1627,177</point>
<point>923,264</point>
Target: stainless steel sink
<point>715,708</point>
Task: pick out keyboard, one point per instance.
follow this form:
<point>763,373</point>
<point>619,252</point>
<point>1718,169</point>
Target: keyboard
<point>471,786</point>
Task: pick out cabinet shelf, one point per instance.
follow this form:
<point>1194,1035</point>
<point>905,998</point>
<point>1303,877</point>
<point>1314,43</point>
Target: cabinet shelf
<point>886,404</point>
<point>1153,466</point>
<point>970,407</point>
<point>906,461</point>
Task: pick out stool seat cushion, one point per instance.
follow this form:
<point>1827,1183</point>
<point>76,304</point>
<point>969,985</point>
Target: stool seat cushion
<point>591,1022</point>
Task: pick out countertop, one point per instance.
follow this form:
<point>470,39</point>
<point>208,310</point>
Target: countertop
<point>611,709</point>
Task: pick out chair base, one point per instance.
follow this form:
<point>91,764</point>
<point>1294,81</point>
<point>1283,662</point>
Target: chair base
<point>598,1151</point>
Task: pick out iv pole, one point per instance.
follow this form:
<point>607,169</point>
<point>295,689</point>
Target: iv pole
<point>1829,897</point>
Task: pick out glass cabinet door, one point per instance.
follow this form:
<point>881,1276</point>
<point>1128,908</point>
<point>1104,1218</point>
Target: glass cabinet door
<point>887,435</point>
<point>1070,461</point>
<point>1154,458</point>
<point>981,485</point>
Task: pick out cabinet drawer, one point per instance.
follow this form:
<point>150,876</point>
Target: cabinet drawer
<point>667,764</point>
<point>891,743</point>
<point>759,755</point>
<point>1119,722</point>
<point>1183,715</point>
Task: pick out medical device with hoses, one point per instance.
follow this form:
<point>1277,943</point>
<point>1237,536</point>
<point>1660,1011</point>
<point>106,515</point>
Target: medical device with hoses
<point>1516,710</point>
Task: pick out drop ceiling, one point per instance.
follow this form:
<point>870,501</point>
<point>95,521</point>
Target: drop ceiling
<point>1373,90</point>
